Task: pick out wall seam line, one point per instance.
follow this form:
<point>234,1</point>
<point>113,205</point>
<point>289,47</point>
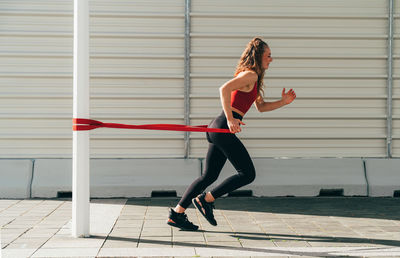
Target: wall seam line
<point>32,175</point>
<point>365,176</point>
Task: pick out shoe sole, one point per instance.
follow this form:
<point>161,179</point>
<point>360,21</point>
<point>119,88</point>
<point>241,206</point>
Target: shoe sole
<point>185,229</point>
<point>199,208</point>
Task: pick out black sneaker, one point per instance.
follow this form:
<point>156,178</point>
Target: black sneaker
<point>205,208</point>
<point>180,220</point>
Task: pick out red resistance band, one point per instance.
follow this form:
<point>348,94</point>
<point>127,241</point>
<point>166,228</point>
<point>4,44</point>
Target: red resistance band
<point>82,124</point>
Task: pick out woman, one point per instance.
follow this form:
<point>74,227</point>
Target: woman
<point>237,96</point>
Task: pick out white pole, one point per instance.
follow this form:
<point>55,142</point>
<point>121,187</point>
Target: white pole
<point>80,152</point>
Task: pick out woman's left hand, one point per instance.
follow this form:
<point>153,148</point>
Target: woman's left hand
<point>288,97</point>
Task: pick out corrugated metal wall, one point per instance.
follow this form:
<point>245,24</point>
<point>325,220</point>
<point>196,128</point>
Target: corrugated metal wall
<point>136,76</point>
<point>333,53</point>
<point>137,67</point>
<point>35,78</point>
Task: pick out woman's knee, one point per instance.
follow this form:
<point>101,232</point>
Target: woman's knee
<point>208,178</point>
<point>249,176</point>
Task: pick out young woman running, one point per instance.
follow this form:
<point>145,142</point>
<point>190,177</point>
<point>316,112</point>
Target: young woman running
<point>237,96</point>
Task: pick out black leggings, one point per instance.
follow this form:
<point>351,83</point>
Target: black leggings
<point>222,146</point>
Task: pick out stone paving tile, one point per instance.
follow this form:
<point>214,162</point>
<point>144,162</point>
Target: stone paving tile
<point>143,252</point>
<point>220,224</point>
<point>217,237</point>
<point>31,240</point>
<point>131,215</point>
<point>122,234</point>
<point>184,232</point>
<point>195,238</point>
<point>274,256</point>
<point>328,243</point>
<point>11,231</point>
<point>115,243</point>
<point>282,229</point>
<point>184,256</point>
<point>291,243</point>
<point>161,231</point>
<point>127,229</point>
<point>160,239</point>
<point>66,252</point>
<point>71,242</point>
<point>30,245</point>
<point>40,232</point>
<point>154,223</point>
<point>128,223</point>
<point>209,228</point>
<point>225,244</point>
<point>232,251</point>
<point>257,243</point>
<point>13,253</point>
<point>4,220</point>
<point>302,256</point>
<point>279,237</point>
<point>154,245</point>
<point>252,236</point>
<point>189,243</point>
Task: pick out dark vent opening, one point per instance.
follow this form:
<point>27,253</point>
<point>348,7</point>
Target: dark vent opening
<point>331,192</point>
<point>241,193</point>
<point>165,193</point>
<point>64,194</point>
<point>396,193</point>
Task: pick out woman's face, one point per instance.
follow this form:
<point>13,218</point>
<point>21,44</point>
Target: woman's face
<point>266,58</point>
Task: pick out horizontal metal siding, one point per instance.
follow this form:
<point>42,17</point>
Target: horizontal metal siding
<point>136,76</point>
<point>332,53</point>
<point>35,78</point>
<point>292,7</point>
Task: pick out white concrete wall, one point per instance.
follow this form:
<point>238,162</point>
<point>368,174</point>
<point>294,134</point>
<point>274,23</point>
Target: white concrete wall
<point>139,177</point>
<point>383,176</point>
<point>43,178</point>
<point>51,176</point>
<point>117,177</point>
<point>303,177</point>
<point>16,176</point>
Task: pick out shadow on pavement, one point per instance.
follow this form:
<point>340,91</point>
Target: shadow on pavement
<point>261,250</point>
<point>358,207</point>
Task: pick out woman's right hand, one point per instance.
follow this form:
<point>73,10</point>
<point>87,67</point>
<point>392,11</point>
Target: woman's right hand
<point>234,125</point>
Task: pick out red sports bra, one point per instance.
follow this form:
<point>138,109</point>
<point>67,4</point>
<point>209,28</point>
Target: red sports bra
<point>243,100</point>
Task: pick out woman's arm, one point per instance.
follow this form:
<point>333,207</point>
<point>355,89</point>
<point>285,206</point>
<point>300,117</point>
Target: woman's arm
<point>243,81</point>
<point>286,99</point>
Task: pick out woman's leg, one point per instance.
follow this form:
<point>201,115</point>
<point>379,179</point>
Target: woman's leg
<point>237,154</point>
<point>215,160</point>
<point>234,150</point>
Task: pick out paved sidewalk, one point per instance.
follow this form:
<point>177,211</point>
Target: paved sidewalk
<point>247,227</point>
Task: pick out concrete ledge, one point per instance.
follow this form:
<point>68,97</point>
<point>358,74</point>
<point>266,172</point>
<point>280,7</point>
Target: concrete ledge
<point>51,176</point>
<point>139,177</point>
<point>303,177</point>
<point>117,177</point>
<point>383,176</point>
<point>16,176</point>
